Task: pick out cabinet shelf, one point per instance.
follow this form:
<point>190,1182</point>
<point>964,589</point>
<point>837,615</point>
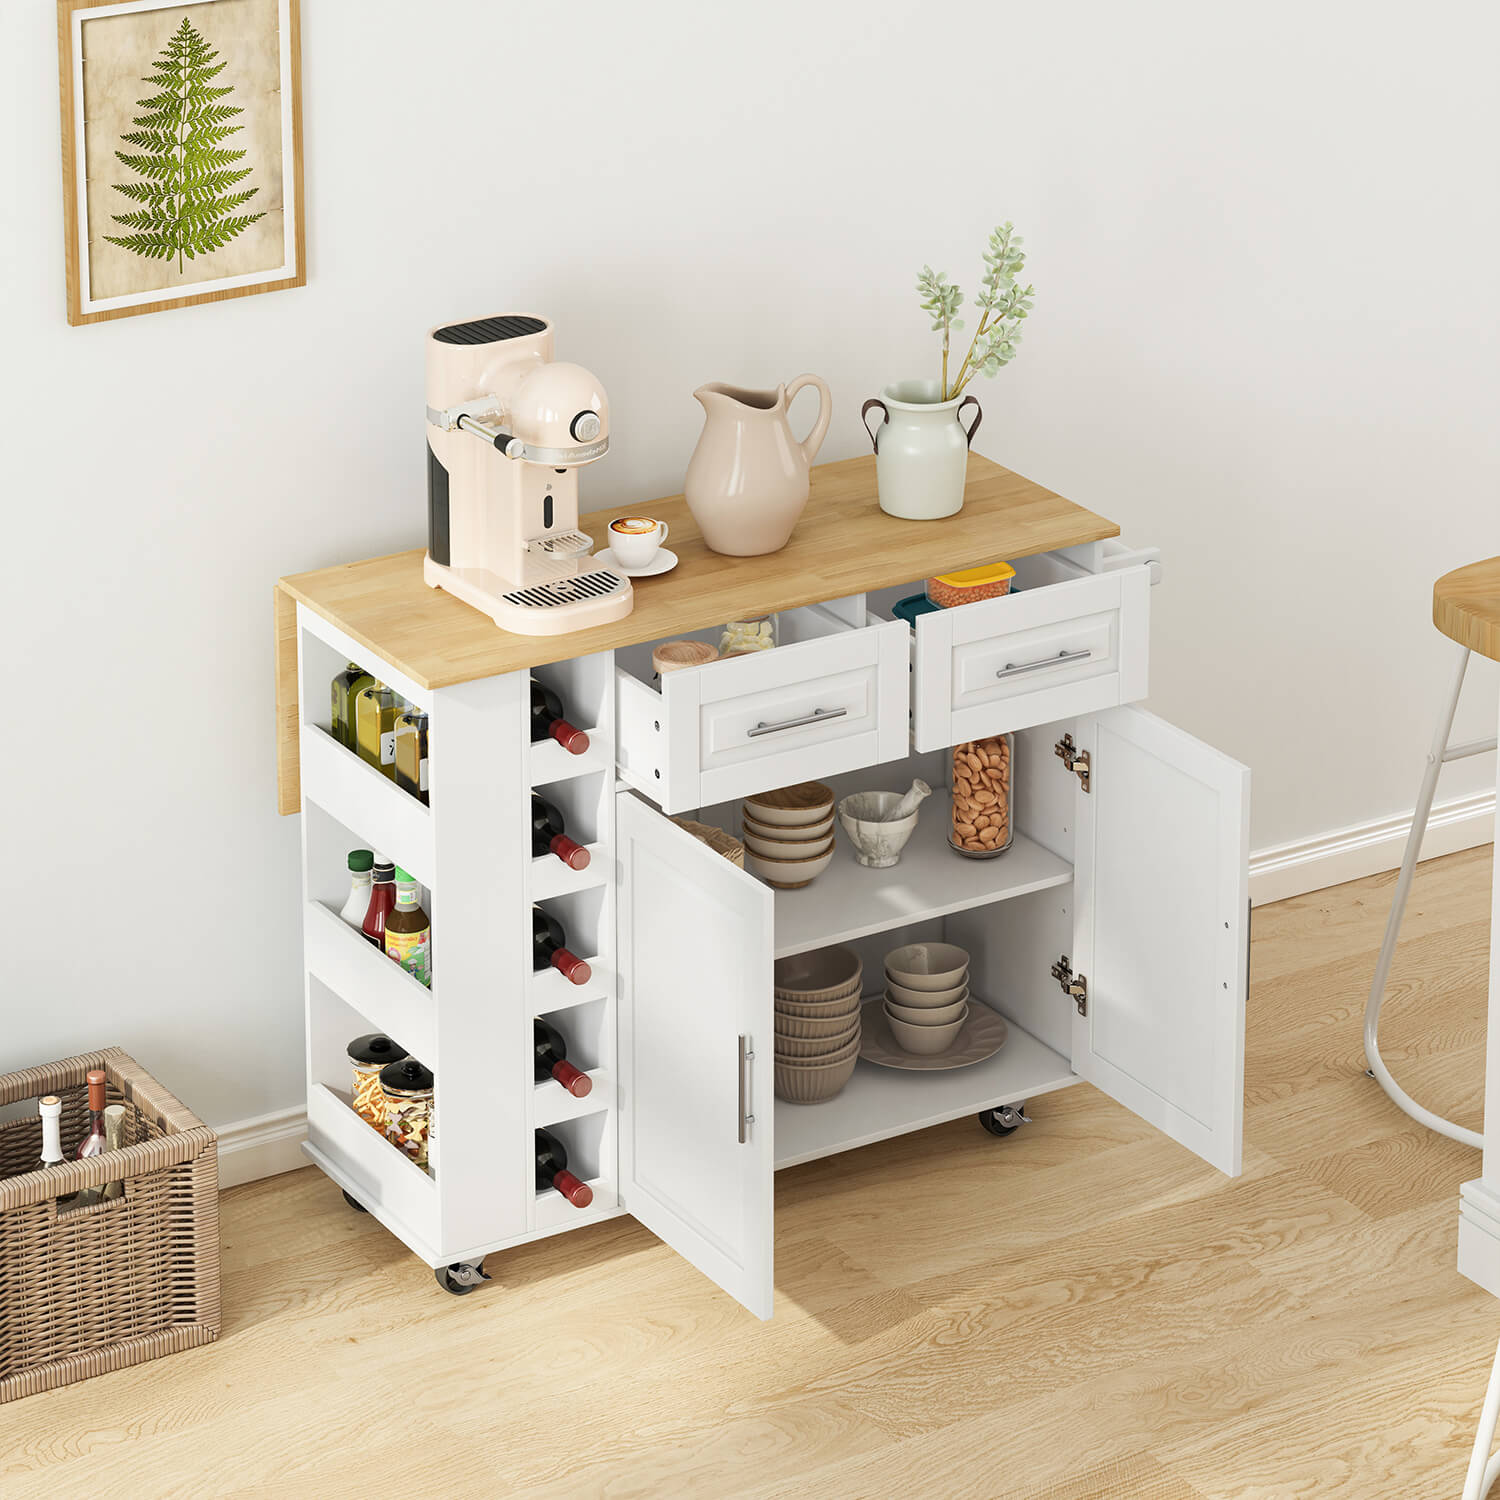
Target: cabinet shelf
<point>550,877</point>
<point>878,1103</point>
<point>849,901</point>
<point>547,761</point>
<point>553,1103</point>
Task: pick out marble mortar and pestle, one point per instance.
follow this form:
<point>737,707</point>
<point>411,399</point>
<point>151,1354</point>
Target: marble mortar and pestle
<point>879,823</point>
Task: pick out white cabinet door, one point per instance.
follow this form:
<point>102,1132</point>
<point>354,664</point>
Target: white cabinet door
<point>695,1051</point>
<point>1162,924</point>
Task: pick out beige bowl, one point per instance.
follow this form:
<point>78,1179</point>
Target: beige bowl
<point>814,1085</point>
<point>925,1041</point>
<point>792,806</point>
<point>849,1049</point>
<point>927,966</point>
<point>788,874</point>
<point>787,848</point>
<point>923,999</point>
<point>815,1048</point>
<point>803,833</point>
<point>818,974</point>
<point>819,1010</point>
<point>809,1028</point>
<point>927,1015</point>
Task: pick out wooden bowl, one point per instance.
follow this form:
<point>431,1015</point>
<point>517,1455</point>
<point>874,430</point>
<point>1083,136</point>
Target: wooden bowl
<point>792,806</point>
<point>673,656</point>
<point>928,1015</point>
<point>819,974</point>
<point>787,848</point>
<point>806,1028</point>
<point>922,999</point>
<point>788,833</point>
<point>802,1084</point>
<point>788,874</point>
<point>925,1041</point>
<point>927,966</point>
<point>815,1048</point>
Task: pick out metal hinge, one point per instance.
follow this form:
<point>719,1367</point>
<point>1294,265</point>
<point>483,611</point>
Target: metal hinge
<point>1076,986</point>
<point>1076,760</point>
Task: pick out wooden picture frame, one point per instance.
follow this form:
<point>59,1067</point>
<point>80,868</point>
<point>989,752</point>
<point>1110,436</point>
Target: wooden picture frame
<point>129,246</point>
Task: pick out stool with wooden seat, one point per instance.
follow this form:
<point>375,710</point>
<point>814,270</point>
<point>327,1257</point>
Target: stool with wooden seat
<point>1466,608</point>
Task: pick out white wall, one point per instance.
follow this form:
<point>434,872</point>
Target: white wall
<point>1263,241</point>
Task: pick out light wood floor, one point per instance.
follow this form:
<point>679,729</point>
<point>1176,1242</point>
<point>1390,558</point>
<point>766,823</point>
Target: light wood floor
<point>1082,1311</point>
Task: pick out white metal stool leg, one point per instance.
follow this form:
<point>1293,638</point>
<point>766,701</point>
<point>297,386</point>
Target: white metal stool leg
<point>1440,753</point>
<point>1484,1470</point>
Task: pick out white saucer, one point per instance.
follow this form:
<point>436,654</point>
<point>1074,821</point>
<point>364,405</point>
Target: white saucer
<point>665,561</point>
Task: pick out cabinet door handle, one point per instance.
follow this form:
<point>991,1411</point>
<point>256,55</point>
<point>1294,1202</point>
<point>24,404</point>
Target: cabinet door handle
<point>1015,669</point>
<point>817,716</point>
<point>746,1118</point>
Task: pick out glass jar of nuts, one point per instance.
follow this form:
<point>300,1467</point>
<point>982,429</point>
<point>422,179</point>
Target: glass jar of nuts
<point>982,826</point>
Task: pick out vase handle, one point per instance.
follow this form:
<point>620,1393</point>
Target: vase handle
<point>864,416</point>
<point>814,439</point>
<point>969,432</point>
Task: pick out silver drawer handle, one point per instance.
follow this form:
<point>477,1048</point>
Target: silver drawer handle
<point>1012,669</point>
<point>817,716</point>
<point>746,1118</point>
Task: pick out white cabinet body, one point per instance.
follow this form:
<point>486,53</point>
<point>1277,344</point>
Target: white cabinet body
<point>1128,871</point>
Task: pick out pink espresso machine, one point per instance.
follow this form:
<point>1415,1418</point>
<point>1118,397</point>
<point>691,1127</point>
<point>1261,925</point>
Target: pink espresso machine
<point>507,431</point>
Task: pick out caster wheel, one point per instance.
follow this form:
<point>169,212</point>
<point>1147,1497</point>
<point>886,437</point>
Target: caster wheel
<point>1006,1120</point>
<point>460,1278</point>
<point>355,1204</point>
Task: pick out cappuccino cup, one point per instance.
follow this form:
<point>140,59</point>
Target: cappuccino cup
<point>635,540</point>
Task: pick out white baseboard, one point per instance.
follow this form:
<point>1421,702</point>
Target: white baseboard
<point>262,1147</point>
<point>1367,848</point>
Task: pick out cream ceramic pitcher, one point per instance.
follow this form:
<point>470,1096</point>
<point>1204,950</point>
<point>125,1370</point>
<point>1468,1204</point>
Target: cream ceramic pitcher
<point>747,480</point>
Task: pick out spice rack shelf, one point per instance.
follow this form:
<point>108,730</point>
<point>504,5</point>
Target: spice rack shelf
<point>1138,873</point>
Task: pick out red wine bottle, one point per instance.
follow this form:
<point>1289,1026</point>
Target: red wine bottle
<point>547,718</point>
<point>552,1171</point>
<point>549,835</point>
<point>550,946</point>
<point>552,1061</point>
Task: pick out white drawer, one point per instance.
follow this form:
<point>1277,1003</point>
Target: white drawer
<point>832,697</point>
<point>1069,643</point>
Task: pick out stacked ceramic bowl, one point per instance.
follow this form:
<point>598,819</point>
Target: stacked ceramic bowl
<point>817,1024</point>
<point>788,834</point>
<point>926,996</point>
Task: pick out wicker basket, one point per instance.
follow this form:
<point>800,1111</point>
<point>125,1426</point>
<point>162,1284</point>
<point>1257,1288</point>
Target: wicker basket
<point>91,1289</point>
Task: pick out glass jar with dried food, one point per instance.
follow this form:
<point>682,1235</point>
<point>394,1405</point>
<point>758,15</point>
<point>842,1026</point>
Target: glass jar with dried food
<point>982,825</point>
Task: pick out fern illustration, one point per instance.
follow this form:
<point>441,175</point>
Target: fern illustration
<point>185,171</point>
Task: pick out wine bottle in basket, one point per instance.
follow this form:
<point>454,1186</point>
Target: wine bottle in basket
<point>549,835</point>
<point>552,1171</point>
<point>95,1141</point>
<point>50,1107</point>
<point>551,948</point>
<point>552,1060</point>
<point>547,719</point>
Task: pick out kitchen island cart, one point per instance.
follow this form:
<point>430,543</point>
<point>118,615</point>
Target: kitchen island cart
<point>1112,935</point>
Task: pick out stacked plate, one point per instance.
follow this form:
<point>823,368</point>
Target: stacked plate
<point>817,1024</point>
<point>926,996</point>
<point>788,834</point>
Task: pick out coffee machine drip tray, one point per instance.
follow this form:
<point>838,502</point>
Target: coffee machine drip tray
<point>571,590</point>
<point>544,606</point>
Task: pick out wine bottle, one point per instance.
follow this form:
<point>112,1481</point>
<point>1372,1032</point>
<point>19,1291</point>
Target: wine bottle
<point>552,1171</point>
<point>552,1061</point>
<point>50,1107</point>
<point>549,835</point>
<point>344,689</point>
<point>114,1137</point>
<point>547,718</point>
<point>382,902</point>
<point>375,711</point>
<point>95,1142</point>
<point>550,946</point>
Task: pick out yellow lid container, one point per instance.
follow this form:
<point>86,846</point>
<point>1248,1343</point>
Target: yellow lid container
<point>968,584</point>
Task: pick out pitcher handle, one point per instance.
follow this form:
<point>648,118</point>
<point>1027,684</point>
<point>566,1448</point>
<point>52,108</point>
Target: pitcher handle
<point>814,439</point>
<point>969,432</point>
<point>864,416</point>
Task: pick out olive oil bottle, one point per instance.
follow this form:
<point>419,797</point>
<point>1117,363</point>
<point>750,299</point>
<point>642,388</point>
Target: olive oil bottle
<point>375,727</point>
<point>411,753</point>
<point>345,689</point>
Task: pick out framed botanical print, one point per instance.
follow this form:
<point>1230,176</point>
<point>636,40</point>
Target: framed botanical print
<point>182,152</point>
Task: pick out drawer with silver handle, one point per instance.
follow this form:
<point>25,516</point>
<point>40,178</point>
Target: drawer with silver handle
<point>832,696</point>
